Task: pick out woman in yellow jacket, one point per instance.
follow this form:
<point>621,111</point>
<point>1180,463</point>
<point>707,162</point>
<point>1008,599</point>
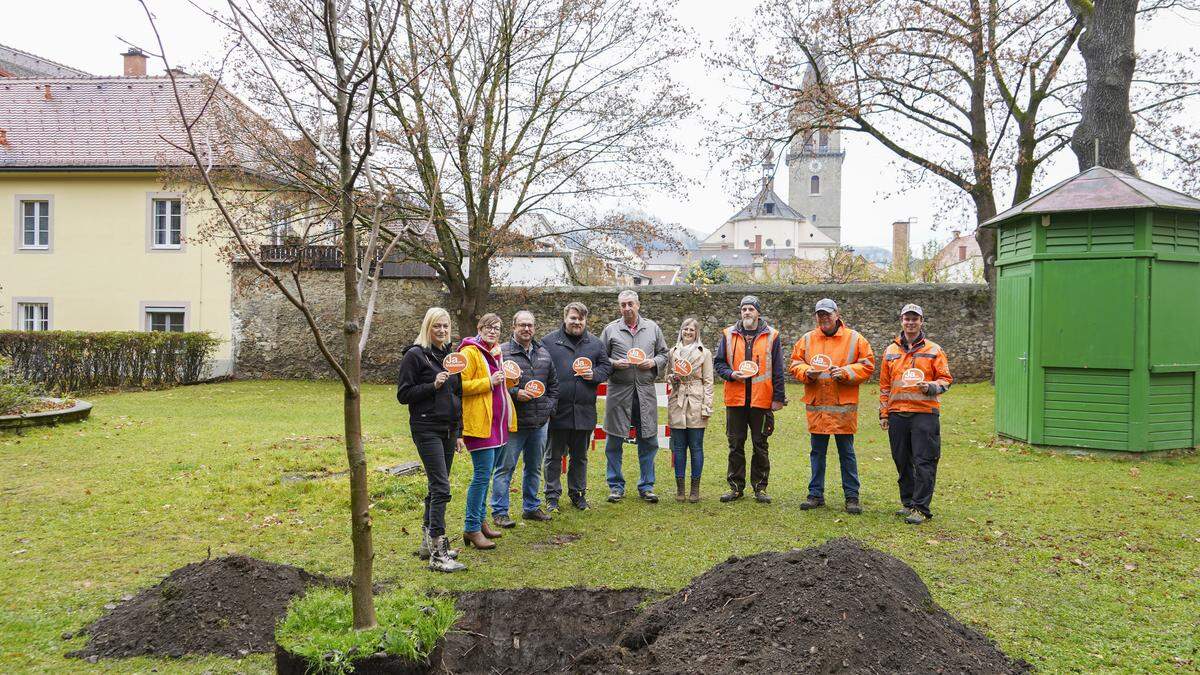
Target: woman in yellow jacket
<point>488,417</point>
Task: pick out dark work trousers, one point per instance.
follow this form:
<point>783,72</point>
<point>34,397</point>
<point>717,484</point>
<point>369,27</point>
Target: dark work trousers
<point>739,420</point>
<point>916,440</point>
<point>573,444</point>
<point>437,454</point>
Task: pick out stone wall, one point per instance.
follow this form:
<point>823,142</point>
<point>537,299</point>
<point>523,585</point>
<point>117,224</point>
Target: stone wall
<point>272,340</point>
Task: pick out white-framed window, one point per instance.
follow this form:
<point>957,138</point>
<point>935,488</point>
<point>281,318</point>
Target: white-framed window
<point>35,224</point>
<point>33,315</point>
<point>167,223</point>
<point>171,317</point>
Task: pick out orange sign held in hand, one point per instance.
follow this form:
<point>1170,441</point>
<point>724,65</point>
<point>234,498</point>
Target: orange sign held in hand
<point>912,377</point>
<point>682,368</point>
<point>821,363</point>
<point>454,363</point>
<point>511,370</point>
<point>581,365</point>
<point>748,368</point>
<point>635,356</point>
<point>535,388</point>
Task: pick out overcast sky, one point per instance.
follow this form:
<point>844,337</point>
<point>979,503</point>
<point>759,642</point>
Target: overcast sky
<point>84,34</point>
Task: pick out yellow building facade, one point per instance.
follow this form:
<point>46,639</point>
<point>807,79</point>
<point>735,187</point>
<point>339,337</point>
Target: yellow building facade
<point>110,250</point>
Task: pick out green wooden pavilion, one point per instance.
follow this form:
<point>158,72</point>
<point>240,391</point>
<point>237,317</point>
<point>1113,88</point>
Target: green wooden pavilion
<point>1098,315</point>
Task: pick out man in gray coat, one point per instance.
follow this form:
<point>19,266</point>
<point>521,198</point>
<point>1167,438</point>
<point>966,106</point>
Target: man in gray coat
<point>632,402</point>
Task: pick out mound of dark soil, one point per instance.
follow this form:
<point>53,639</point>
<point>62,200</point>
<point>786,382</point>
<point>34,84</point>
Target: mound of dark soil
<point>223,606</point>
<point>532,630</point>
<point>839,607</point>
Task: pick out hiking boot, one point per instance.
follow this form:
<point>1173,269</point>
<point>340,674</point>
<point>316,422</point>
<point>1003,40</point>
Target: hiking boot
<point>813,502</point>
<point>915,517</point>
<point>852,506</point>
<point>426,544</point>
<point>679,495</point>
<point>902,512</point>
<point>732,496</point>
<point>477,540</point>
<point>614,496</point>
<point>694,496</point>
<point>762,497</point>
<point>648,496</point>
<point>489,532</point>
<point>580,503</point>
<point>538,515</point>
<point>440,559</point>
<point>551,505</point>
<point>502,520</point>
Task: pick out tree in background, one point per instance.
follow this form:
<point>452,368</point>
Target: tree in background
<point>707,272</point>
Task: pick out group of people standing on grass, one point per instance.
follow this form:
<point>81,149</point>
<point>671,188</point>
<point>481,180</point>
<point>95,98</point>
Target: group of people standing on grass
<point>530,399</point>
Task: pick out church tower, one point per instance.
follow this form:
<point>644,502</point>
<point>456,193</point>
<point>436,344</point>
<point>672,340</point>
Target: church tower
<point>815,180</point>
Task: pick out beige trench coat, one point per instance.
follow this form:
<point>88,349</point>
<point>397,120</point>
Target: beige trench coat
<point>691,400</point>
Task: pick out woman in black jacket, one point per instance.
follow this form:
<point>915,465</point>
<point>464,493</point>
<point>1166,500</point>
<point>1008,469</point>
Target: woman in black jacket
<point>434,400</point>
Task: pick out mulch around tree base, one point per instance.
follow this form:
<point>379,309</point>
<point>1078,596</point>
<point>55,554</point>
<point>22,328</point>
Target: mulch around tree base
<point>838,607</point>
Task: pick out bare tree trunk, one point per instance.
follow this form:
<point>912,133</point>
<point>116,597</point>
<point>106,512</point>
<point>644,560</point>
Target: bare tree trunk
<point>985,208</point>
<point>1106,126</point>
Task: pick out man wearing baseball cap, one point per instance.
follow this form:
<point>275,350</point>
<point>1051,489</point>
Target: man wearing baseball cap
<point>832,361</point>
<point>752,394</point>
<point>913,374</point>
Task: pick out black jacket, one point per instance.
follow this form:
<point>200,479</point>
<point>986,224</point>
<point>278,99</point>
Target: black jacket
<point>533,414</point>
<point>576,396</point>
<point>429,408</point>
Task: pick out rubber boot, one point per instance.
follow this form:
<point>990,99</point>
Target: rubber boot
<point>695,495</point>
<point>679,495</point>
<point>439,557</point>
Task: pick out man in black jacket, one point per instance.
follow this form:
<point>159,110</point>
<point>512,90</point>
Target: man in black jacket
<point>574,419</point>
<point>533,416</point>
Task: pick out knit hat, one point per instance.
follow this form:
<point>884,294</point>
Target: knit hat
<point>751,300</point>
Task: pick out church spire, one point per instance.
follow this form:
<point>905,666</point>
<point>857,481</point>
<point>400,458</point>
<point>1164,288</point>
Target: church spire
<point>768,171</point>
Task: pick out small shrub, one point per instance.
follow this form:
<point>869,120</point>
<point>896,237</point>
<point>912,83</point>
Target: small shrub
<point>65,361</point>
<point>319,628</point>
<point>16,393</point>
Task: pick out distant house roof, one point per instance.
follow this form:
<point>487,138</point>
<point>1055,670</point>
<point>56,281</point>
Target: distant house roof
<point>113,123</point>
<point>17,63</point>
<point>661,277</point>
<point>1099,188</point>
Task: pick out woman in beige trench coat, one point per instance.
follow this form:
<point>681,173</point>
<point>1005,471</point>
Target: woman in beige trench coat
<point>689,405</point>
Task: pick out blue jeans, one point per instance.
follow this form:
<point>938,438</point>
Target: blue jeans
<point>527,443</point>
<point>647,450</point>
<point>477,491</point>
<point>681,441</point>
<point>845,448</point>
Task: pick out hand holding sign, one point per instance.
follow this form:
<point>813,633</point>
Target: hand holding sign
<point>820,363</point>
<point>635,356</point>
<point>535,388</point>
<point>511,370</point>
<point>581,365</point>
<point>912,377</point>
<point>682,367</point>
<point>454,363</point>
<point>748,368</point>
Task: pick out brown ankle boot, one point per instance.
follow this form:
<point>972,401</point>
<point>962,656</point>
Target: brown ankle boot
<point>477,540</point>
<point>489,532</point>
<point>679,496</point>
<point>695,495</point>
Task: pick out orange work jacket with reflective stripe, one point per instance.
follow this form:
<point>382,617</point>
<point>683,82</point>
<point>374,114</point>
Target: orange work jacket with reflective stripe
<point>762,388</point>
<point>924,355</point>
<point>832,405</point>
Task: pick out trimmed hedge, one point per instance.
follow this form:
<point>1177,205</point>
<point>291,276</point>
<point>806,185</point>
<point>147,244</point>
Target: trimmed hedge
<point>72,361</point>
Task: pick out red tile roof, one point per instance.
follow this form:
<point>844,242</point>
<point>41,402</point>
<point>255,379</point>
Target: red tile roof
<point>96,122</point>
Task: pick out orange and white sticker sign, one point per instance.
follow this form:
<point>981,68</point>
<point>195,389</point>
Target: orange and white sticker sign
<point>535,388</point>
<point>821,362</point>
<point>748,368</point>
<point>511,370</point>
<point>682,367</point>
<point>636,356</point>
<point>912,377</point>
<point>581,365</point>
<point>454,363</point>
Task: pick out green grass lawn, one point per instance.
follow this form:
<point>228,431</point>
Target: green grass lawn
<point>1073,563</point>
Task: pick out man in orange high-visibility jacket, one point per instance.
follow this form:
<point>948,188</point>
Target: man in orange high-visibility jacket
<point>750,397</point>
<point>912,375</point>
<point>832,361</point>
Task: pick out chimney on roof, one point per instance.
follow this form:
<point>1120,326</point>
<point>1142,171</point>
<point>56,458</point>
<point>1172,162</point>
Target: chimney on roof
<point>900,244</point>
<point>3,138</point>
<point>135,62</point>
<point>957,233</point>
<point>46,92</point>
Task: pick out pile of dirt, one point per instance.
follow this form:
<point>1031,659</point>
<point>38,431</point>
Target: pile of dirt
<point>531,630</point>
<point>227,606</point>
<point>839,607</point>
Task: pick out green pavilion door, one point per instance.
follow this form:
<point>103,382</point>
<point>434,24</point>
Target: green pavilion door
<point>1012,356</point>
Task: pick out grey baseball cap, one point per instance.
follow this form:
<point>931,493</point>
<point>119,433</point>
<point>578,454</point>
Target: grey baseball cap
<point>915,309</point>
<point>825,305</point>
